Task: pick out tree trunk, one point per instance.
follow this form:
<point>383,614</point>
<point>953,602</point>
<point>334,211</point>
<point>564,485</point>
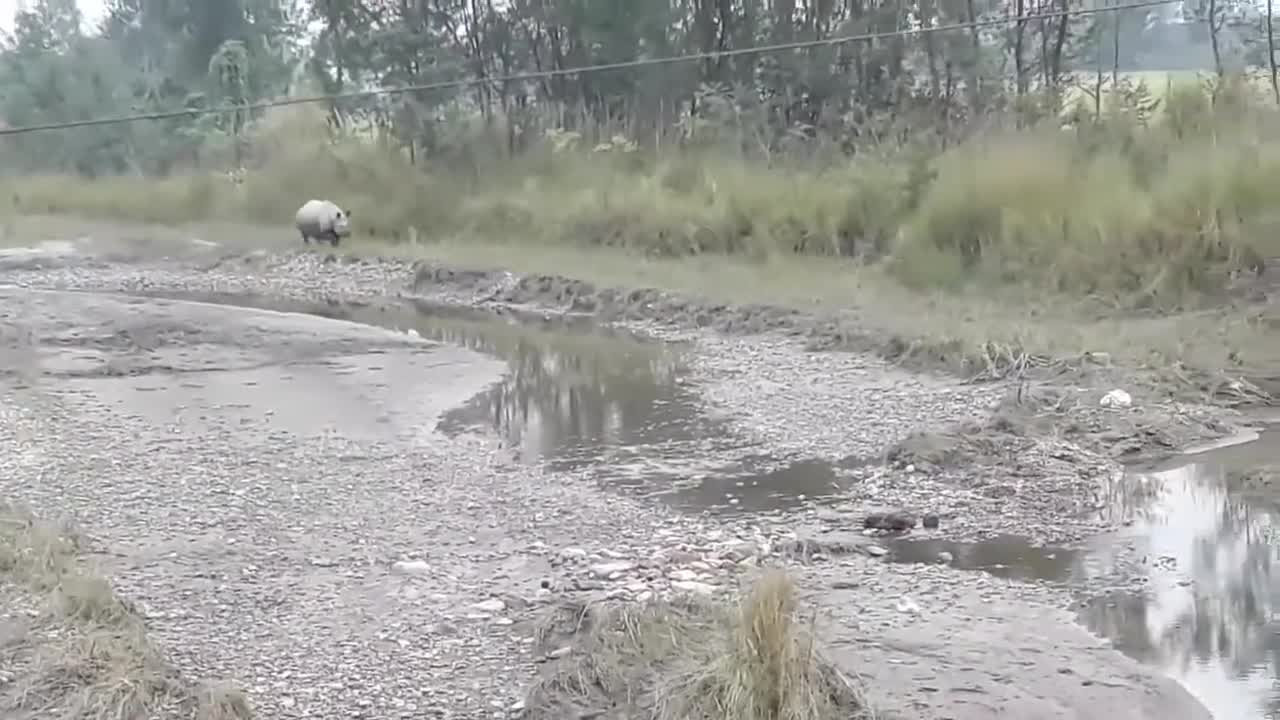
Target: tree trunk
<point>1214,27</point>
<point>1060,42</point>
<point>1115,50</point>
<point>928,14</point>
<point>1271,54</point>
<point>975,69</point>
<point>1019,37</point>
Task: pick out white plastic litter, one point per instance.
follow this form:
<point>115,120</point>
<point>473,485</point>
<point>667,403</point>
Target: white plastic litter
<point>1117,399</point>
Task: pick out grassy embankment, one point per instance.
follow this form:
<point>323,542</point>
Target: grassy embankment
<point>84,655</point>
<point>1113,237</point>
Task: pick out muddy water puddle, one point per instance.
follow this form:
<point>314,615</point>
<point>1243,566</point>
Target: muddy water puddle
<point>1191,585</point>
<point>597,402</point>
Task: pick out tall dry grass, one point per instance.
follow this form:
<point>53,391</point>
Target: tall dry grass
<point>693,659</point>
<point>1149,211</point>
<point>87,656</point>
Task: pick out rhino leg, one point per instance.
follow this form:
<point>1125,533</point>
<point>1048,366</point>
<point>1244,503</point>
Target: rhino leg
<point>306,240</point>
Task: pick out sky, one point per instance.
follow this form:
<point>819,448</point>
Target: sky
<point>92,9</point>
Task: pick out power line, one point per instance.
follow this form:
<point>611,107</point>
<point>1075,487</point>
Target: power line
<point>605,67</point>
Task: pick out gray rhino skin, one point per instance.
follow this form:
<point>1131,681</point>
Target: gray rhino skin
<point>322,220</point>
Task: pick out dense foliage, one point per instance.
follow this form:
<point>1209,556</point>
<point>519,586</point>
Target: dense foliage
<point>165,54</point>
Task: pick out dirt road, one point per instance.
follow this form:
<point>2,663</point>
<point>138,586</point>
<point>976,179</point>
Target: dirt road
<point>272,490</point>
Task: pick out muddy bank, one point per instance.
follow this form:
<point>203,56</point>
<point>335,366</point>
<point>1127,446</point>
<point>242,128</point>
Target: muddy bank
<point>1161,417</point>
<point>421,558</point>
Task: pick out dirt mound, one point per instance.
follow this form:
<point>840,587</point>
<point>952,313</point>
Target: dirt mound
<point>687,660</point>
<point>1034,418</point>
<point>70,648</point>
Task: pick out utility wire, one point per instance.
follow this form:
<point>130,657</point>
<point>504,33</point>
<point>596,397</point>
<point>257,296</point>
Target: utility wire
<point>544,74</point>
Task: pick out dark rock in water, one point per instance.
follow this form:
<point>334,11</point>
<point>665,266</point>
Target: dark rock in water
<point>896,521</point>
<point>931,521</point>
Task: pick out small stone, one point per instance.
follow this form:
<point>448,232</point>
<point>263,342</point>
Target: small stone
<point>681,557</point>
<point>931,521</point>
<point>411,567</point>
<point>571,554</point>
<point>683,575</point>
<point>612,568</point>
<point>1098,358</point>
<point>696,588</point>
<point>490,606</point>
<point>896,521</point>
<point>876,551</point>
<point>945,557</point>
<point>741,551</point>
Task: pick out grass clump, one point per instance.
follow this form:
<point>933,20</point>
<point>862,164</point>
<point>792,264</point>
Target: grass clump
<point>692,660</point>
<point>84,655</point>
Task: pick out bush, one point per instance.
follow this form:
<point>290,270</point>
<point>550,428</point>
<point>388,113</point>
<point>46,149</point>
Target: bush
<point>1151,207</point>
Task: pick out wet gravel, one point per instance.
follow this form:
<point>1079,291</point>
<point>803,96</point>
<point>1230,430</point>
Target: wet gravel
<point>835,406</point>
<point>333,578</point>
<point>349,578</point>
<point>829,405</point>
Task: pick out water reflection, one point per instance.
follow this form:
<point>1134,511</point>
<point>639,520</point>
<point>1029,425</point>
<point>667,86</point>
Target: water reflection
<point>616,406</point>
<point>1006,556</point>
<point>567,398</point>
<point>1207,607</point>
<point>600,403</point>
<point>1208,620</point>
<point>756,484</point>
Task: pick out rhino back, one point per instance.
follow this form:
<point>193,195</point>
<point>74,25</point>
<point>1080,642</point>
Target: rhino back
<point>314,217</point>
